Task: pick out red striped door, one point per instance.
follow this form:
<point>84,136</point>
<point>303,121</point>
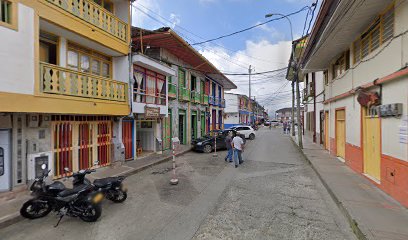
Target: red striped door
<point>62,132</point>
<point>104,142</point>
<point>85,149</point>
<point>127,138</point>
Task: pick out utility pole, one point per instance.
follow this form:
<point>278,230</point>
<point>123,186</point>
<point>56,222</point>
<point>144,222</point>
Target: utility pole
<point>299,129</point>
<point>250,71</point>
<point>293,109</point>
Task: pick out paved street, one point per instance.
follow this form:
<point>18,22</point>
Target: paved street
<point>274,195</point>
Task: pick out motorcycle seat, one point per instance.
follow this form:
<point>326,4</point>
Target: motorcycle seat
<point>104,181</point>
<point>72,191</point>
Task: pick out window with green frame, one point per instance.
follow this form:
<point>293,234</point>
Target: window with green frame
<point>182,78</point>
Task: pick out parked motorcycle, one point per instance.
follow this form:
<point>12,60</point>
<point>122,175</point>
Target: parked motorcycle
<point>81,201</point>
<point>111,187</point>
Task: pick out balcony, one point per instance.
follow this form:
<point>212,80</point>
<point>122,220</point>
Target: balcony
<point>211,100</point>
<point>184,94</point>
<point>172,90</point>
<point>204,99</point>
<point>95,15</point>
<point>195,97</point>
<point>67,82</point>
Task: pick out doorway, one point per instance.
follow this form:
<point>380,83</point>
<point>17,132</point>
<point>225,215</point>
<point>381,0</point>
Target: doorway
<point>5,160</point>
<point>371,144</point>
<point>214,120</point>
<point>203,130</point>
<point>193,125</point>
<point>182,123</point>
<point>128,138</point>
<point>341,133</point>
<point>326,131</point>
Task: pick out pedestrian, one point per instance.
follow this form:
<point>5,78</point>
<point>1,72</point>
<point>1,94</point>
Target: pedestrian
<point>228,144</point>
<point>288,129</point>
<point>238,145</point>
<point>285,126</point>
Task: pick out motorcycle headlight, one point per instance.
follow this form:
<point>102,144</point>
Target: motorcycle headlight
<point>199,143</point>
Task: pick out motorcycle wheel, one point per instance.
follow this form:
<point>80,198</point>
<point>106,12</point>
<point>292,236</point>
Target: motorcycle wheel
<point>34,208</point>
<point>118,196</point>
<point>91,212</point>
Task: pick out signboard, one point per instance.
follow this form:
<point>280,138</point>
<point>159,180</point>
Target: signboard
<point>152,112</point>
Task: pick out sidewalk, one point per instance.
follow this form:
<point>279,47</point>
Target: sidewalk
<point>11,202</point>
<point>372,214</point>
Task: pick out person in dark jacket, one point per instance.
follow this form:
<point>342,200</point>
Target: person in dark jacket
<point>228,142</point>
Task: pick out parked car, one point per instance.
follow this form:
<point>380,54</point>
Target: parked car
<point>274,123</point>
<point>247,131</point>
<point>206,143</point>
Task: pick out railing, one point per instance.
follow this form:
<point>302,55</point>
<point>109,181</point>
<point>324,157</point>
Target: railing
<point>211,100</point>
<point>184,94</point>
<point>172,90</point>
<point>63,81</point>
<point>195,97</point>
<point>204,99</point>
<point>96,15</point>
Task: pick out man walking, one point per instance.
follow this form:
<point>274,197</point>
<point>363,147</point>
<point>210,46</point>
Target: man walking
<point>238,145</point>
<point>228,144</point>
<point>285,126</point>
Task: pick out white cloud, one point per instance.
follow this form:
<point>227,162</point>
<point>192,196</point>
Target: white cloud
<point>263,56</point>
<point>140,19</point>
<point>175,19</point>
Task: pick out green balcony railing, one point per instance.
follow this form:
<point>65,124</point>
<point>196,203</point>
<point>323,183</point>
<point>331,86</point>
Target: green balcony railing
<point>172,90</point>
<point>184,94</point>
<point>63,81</point>
<point>96,15</point>
<point>195,97</point>
<point>204,99</point>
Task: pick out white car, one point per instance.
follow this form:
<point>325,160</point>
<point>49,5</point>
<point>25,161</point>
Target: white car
<point>248,131</point>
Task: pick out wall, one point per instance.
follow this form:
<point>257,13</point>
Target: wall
<point>18,48</point>
<point>231,103</point>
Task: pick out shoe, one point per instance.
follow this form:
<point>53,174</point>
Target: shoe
<point>230,161</point>
<point>225,159</point>
<point>241,162</point>
<point>236,166</point>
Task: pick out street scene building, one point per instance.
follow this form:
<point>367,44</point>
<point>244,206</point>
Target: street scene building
<point>60,103</point>
<point>365,89</point>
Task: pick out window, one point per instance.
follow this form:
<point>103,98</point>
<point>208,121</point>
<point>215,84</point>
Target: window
<point>88,61</point>
<point>182,78</point>
<point>380,31</point>
<point>342,64</point>
<point>1,161</point>
<point>149,86</point>
<point>8,14</point>
<point>326,77</point>
<point>48,48</point>
<point>193,83</point>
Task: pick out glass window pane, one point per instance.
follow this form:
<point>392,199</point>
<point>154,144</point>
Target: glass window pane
<point>96,67</point>
<point>105,70</point>
<point>85,63</point>
<point>73,60</point>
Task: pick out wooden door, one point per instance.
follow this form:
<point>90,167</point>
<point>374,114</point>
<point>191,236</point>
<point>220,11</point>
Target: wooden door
<point>63,147</point>
<point>85,145</point>
<point>372,145</point>
<point>326,131</point>
<point>127,138</point>
<point>341,133</point>
<point>104,144</point>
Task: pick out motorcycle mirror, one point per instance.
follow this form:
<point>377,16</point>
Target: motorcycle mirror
<point>66,169</point>
<point>43,166</point>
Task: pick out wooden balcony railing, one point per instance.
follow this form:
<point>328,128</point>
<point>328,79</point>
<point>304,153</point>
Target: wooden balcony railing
<point>63,81</point>
<point>222,103</point>
<point>184,94</point>
<point>195,97</point>
<point>204,99</point>
<point>172,90</point>
<point>211,100</point>
<point>96,15</point>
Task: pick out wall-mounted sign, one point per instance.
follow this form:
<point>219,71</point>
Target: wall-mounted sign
<point>152,112</point>
<point>390,110</point>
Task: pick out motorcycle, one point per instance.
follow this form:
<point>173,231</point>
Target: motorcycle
<point>81,201</point>
<point>112,187</point>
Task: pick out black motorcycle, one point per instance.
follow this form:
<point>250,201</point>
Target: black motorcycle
<point>81,201</point>
<point>112,187</point>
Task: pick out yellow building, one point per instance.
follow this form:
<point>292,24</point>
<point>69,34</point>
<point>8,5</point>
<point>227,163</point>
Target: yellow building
<point>64,84</point>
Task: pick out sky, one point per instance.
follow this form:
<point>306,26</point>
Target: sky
<point>265,48</point>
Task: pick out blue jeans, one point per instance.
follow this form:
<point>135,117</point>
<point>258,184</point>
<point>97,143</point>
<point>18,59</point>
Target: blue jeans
<point>229,155</point>
<point>237,156</point>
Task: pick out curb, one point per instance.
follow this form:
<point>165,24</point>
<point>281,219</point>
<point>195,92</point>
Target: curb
<point>15,217</point>
<point>353,224</point>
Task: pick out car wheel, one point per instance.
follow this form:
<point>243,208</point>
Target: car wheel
<point>207,148</point>
<point>251,136</point>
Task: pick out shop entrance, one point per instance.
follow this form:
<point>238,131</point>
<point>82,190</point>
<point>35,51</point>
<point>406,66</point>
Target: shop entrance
<point>145,137</point>
<point>5,160</point>
<point>203,130</point>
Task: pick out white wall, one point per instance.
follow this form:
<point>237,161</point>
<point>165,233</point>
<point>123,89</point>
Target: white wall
<point>17,54</point>
<point>232,118</point>
<point>231,103</point>
<point>121,69</point>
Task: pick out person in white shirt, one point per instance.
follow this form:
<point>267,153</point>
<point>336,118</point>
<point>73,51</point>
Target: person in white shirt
<point>238,145</point>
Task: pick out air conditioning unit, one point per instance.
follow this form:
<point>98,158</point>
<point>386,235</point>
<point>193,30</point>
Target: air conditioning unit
<point>33,120</point>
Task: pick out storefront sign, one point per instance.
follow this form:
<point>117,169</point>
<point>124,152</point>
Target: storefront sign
<point>152,112</point>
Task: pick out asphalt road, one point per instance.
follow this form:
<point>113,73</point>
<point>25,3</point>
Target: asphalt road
<point>274,194</point>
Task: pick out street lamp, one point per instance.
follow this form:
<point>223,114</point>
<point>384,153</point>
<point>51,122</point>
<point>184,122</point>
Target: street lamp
<point>293,64</point>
